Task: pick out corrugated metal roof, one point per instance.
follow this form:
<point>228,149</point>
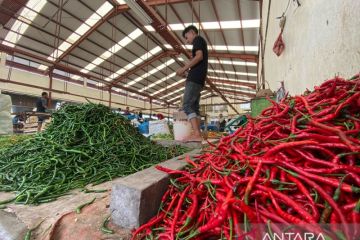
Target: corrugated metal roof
<point>95,51</point>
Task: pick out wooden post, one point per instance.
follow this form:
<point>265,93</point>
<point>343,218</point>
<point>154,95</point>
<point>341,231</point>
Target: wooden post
<point>110,97</point>
<point>50,86</point>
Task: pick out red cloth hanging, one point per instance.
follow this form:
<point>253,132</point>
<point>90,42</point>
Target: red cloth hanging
<point>279,45</point>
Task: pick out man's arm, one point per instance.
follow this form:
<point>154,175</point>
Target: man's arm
<point>198,57</point>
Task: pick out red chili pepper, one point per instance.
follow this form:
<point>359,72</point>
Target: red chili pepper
<point>152,222</point>
<point>356,213</point>
<point>272,216</point>
<point>177,211</point>
<point>340,133</point>
<point>287,145</point>
<point>324,112</point>
<point>320,150</point>
<point>252,181</point>
<point>241,206</point>
<point>237,229</point>
<point>293,124</point>
<point>308,166</point>
<point>172,203</point>
<point>307,156</point>
<point>216,221</point>
<point>307,107</point>
<point>348,101</point>
<point>332,182</point>
<point>290,202</point>
<point>192,211</point>
<point>170,171</point>
<point>290,218</point>
<point>306,193</point>
<point>331,202</point>
<point>318,137</point>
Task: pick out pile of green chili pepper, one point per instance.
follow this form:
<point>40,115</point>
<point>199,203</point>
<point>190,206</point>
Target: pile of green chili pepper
<point>9,140</point>
<point>293,169</point>
<point>83,144</point>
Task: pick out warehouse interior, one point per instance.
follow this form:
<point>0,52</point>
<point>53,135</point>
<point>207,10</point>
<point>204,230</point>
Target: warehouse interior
<point>97,141</point>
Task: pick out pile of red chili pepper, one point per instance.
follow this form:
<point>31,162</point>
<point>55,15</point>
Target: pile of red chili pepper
<point>296,163</point>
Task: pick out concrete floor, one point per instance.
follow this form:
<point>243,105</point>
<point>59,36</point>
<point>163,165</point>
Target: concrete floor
<point>51,212</point>
<point>84,226</point>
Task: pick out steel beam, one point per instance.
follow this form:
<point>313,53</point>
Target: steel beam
<point>59,91</point>
<point>221,104</point>
<point>125,7</point>
<point>68,69</point>
<point>231,97</point>
<point>141,66</point>
<point>86,35</point>
<point>245,57</point>
<point>11,7</point>
<point>237,93</point>
<point>250,85</point>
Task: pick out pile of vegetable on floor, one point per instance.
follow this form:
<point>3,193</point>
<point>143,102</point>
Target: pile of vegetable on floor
<point>9,140</point>
<point>163,136</point>
<point>83,144</point>
<point>297,163</point>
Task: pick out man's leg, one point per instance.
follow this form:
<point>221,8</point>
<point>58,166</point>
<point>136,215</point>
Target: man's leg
<point>40,121</point>
<point>195,123</point>
<point>39,126</point>
<point>197,111</point>
<point>192,91</point>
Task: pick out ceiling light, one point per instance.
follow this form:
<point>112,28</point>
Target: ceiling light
<point>253,23</point>
<point>139,11</point>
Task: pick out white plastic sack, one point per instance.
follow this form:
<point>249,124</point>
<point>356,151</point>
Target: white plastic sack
<point>5,116</point>
<point>135,122</point>
<point>5,103</point>
<point>159,126</point>
<point>182,130</point>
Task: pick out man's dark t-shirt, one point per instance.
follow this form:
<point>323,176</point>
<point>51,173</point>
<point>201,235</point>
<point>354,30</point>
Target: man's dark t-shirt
<point>198,72</point>
<point>40,104</point>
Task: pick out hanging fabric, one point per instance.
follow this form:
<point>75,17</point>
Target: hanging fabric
<point>279,44</point>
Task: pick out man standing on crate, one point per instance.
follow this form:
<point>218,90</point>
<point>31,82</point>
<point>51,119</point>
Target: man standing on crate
<point>195,80</point>
<point>41,106</point>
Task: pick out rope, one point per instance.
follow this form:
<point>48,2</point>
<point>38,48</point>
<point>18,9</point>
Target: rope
<point>13,56</point>
<point>192,8</point>
<point>199,17</point>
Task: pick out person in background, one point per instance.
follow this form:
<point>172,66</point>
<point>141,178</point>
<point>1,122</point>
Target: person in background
<point>17,122</point>
<point>222,123</point>
<point>41,106</point>
<point>160,116</point>
<point>140,117</point>
<point>195,79</point>
<point>127,111</point>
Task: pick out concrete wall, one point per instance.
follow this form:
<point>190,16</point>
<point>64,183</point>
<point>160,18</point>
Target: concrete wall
<point>43,82</point>
<point>322,39</point>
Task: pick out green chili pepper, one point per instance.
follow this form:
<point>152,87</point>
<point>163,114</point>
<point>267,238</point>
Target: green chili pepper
<point>84,144</point>
<point>78,209</point>
<point>104,227</point>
